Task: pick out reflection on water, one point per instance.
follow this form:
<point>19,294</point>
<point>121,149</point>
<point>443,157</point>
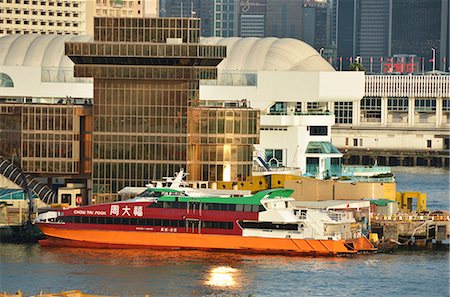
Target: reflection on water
<point>32,268</point>
<point>222,276</point>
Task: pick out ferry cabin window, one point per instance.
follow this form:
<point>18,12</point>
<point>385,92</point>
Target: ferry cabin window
<point>217,225</point>
<point>168,204</point>
<point>122,221</point>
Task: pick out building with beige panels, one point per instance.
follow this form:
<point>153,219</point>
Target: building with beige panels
<point>401,116</point>
<point>74,17</point>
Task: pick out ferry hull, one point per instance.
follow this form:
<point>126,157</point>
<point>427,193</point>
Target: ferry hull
<point>58,236</point>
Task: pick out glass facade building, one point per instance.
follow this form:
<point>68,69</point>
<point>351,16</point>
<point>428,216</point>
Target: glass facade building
<point>50,140</point>
<point>146,110</point>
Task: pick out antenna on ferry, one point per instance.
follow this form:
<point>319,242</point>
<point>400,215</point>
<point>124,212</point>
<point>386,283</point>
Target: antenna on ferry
<point>176,183</point>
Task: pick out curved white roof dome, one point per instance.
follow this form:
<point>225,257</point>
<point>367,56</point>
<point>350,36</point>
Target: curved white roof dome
<point>270,53</point>
<point>243,54</point>
<point>36,50</point>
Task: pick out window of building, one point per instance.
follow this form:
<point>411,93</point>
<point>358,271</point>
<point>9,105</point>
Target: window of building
<point>6,81</point>
<point>425,105</point>
<point>346,140</point>
<point>274,157</point>
<point>318,130</point>
<point>343,112</point>
<point>355,141</point>
<point>371,109</point>
<point>279,108</point>
<point>446,105</point>
<point>428,143</point>
<point>315,106</point>
<point>398,104</point>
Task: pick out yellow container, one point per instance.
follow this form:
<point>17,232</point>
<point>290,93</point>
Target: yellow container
<point>373,237</point>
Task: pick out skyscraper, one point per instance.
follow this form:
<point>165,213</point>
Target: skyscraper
<point>218,17</point>
<point>416,28</point>
<point>316,25</point>
<point>252,15</point>
<point>284,18</point>
<point>445,36</point>
<point>380,29</point>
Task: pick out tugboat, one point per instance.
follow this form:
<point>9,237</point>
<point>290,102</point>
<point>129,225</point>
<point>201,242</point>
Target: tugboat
<point>168,218</point>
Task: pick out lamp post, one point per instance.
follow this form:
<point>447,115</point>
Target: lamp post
<point>433,50</point>
<point>321,51</point>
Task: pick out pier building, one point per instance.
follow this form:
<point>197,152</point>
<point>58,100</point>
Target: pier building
<point>402,120</point>
<point>298,95</point>
<point>144,119</point>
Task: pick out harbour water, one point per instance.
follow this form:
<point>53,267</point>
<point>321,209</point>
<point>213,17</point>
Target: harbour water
<point>32,268</point>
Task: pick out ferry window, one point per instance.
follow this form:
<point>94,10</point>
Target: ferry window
<point>165,223</point>
<point>77,219</point>
<point>181,223</point>
<point>239,207</point>
<point>156,205</point>
<point>65,198</point>
<point>117,221</point>
<point>157,222</point>
<point>101,220</point>
<point>125,221</point>
<point>248,207</point>
<point>92,220</point>
<point>109,221</point>
<point>255,208</point>
<point>261,208</point>
<point>133,221</point>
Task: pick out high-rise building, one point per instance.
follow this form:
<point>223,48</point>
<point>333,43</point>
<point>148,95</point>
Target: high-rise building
<point>74,17</point>
<point>284,18</point>
<point>316,25</point>
<point>411,36</point>
<point>345,27</point>
<point>252,14</point>
<point>218,17</point>
<point>44,17</point>
<point>445,36</point>
<point>148,121</point>
<point>374,25</point>
<point>379,29</point>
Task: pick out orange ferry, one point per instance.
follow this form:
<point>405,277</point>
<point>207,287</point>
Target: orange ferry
<point>166,218</point>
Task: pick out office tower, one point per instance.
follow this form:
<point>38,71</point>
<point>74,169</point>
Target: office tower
<point>316,25</point>
<point>284,18</point>
<point>74,17</point>
<point>252,15</point>
<point>44,17</point>
<point>416,28</point>
<point>218,17</point>
<point>445,36</point>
